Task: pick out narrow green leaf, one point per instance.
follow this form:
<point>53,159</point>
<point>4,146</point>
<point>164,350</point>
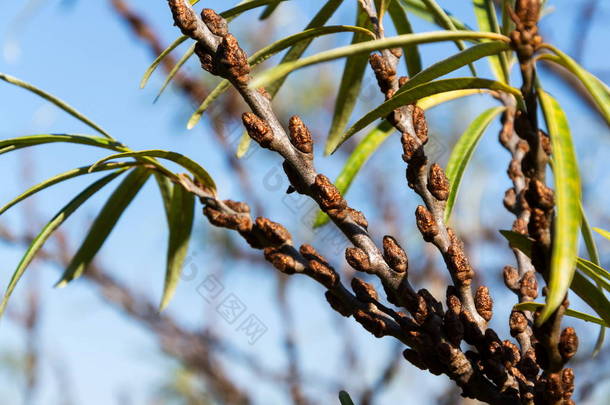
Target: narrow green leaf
<point>485,12</point>
<point>153,66</point>
<point>268,11</point>
<point>567,196</point>
<point>8,145</point>
<point>443,19</point>
<point>244,145</point>
<point>454,62</point>
<point>199,172</point>
<point>351,83</point>
<point>534,306</point>
<point>588,292</point>
<point>180,227</point>
<point>403,27</point>
<point>603,233</point>
<point>284,69</point>
<point>189,52</point>
<point>507,23</point>
<point>54,100</point>
<point>421,91</point>
<point>246,6</point>
<point>462,153</point>
<point>587,235</point>
<point>598,91</point>
<point>418,8</point>
<point>62,177</point>
<point>595,272</point>
<point>345,399</point>
<point>165,189</point>
<point>267,52</point>
<point>104,224</point>
<point>373,140</point>
<point>48,230</point>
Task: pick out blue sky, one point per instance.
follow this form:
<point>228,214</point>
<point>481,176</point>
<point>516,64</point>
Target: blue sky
<point>80,51</point>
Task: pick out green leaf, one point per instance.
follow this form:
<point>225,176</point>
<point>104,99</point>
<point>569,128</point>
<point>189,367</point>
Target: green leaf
<point>104,224</point>
<point>351,83</point>
<point>244,144</point>
<point>418,8</point>
<point>268,51</point>
<point>189,52</point>
<point>54,100</point>
<point>596,88</point>
<point>595,272</point>
<point>48,230</point>
<point>403,27</point>
<point>345,399</point>
<point>485,12</point>
<point>371,142</point>
<point>454,62</point>
<point>199,172</point>
<point>587,235</point>
<point>62,177</point>
<point>421,91</point>
<point>534,306</point>
<point>603,233</point>
<point>284,69</point>
<point>268,11</point>
<point>8,145</point>
<point>180,227</point>
<point>444,21</point>
<point>159,59</point>
<point>588,292</point>
<point>165,189</point>
<point>462,153</point>
<point>567,196</point>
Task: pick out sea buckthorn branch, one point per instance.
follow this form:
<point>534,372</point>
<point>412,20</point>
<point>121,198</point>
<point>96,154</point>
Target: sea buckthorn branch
<point>480,378</point>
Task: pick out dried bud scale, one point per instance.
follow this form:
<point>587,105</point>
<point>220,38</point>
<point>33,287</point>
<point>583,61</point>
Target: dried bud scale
<point>426,223</point>
<point>258,129</point>
<point>364,291</point>
<point>394,255</point>
<point>216,24</point>
<point>358,259</point>
<point>438,185</point>
<point>327,194</point>
<point>300,136</point>
<point>484,303</point>
<point>568,344</point>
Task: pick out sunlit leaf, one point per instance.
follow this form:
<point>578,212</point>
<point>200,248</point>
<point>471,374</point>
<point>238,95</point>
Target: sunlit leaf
<point>567,196</point>
<point>11,144</point>
<point>443,19</point>
<point>62,177</point>
<point>159,59</point>
<point>166,190</point>
<point>54,100</point>
<point>104,224</point>
<point>172,73</point>
<point>603,233</point>
<point>244,144</point>
<point>485,12</point>
<point>595,272</point>
<point>180,227</point>
<point>48,230</point>
<point>462,153</point>
<point>351,83</point>
<point>284,69</point>
<point>403,27</point>
<point>267,52</point>
<point>534,306</point>
<point>418,8</point>
<point>199,172</point>
<point>421,91</point>
<point>596,88</point>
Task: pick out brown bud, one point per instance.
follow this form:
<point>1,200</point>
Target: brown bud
<point>384,72</point>
<point>402,80</point>
<point>567,379</point>
<point>426,223</point>
<point>241,223</point>
<point>358,217</point>
<point>529,286</point>
<point>458,264</point>
<point>337,304</point>
<point>453,302</point>
<point>414,358</point>
<point>281,259</point>
<point>438,185</point>
<point>258,129</point>
<point>371,323</point>
<point>184,17</point>
<point>216,24</point>
<point>409,146</point>
<point>238,206</point>
<point>511,354</point>
<point>517,323</point>
<point>319,268</point>
<point>420,125</point>
<point>273,233</point>
<point>483,303</point>
<point>358,259</point>
<point>300,135</point>
<point>207,60</point>
<point>545,140</point>
<point>327,194</point>
<point>520,226</point>
<point>510,199</point>
<point>511,278</point>
<point>528,365</point>
<point>233,60</point>
<point>394,255</point>
<point>364,291</point>
<point>472,333</point>
<point>568,343</point>
<point>539,195</point>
